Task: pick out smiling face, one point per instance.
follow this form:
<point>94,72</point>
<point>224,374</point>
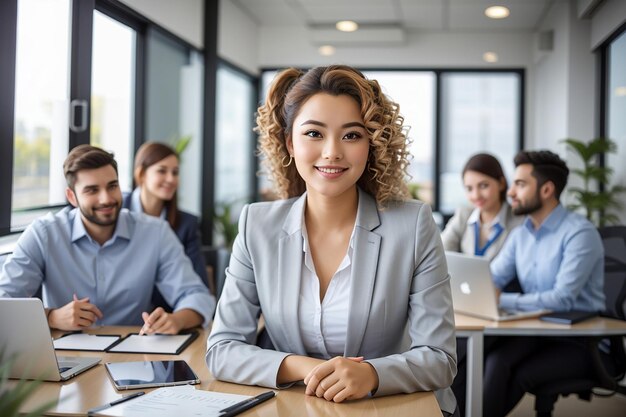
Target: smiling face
<point>483,191</point>
<point>97,194</point>
<point>330,144</point>
<point>161,179</point>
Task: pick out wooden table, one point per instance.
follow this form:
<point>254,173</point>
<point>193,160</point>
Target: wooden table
<point>474,329</point>
<point>93,388</point>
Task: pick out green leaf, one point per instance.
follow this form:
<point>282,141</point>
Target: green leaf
<point>579,147</point>
<point>596,204</point>
<point>181,144</point>
<point>13,397</point>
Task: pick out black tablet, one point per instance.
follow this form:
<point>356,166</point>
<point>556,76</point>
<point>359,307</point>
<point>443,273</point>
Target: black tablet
<point>568,317</point>
<point>148,374</point>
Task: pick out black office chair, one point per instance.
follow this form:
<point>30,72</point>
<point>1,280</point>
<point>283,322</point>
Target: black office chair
<point>609,359</point>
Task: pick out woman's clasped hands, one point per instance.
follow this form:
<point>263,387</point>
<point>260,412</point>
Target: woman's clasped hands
<point>342,378</point>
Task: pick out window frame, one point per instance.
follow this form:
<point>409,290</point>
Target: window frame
<point>602,95</point>
<point>81,40</point>
<point>8,51</point>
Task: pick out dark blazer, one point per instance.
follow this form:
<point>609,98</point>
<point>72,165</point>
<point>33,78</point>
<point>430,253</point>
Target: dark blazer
<point>188,233</point>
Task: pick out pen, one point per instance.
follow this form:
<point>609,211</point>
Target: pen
<point>242,406</point>
<point>116,402</point>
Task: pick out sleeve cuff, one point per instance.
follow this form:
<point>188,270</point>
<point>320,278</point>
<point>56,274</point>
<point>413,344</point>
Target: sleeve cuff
<point>202,304</point>
<point>508,300</point>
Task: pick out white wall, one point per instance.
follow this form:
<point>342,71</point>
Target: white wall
<point>238,37</point>
<point>184,18</point>
<point>606,19</point>
<point>564,102</point>
<point>549,104</point>
<point>564,99</point>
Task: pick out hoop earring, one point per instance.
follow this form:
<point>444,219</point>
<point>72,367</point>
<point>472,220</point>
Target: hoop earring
<point>282,162</point>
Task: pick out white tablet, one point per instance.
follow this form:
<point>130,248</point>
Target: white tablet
<point>148,374</point>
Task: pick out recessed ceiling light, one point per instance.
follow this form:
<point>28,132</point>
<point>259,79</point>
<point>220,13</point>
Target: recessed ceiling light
<point>620,91</point>
<point>326,50</point>
<point>347,26</point>
<point>497,12</point>
<point>490,57</point>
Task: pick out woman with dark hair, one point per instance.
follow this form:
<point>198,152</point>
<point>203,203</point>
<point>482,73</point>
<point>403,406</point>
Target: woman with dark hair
<point>481,230</point>
<point>345,264</point>
<point>156,177</point>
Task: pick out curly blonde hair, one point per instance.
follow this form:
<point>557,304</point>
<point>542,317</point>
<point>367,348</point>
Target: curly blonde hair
<point>385,171</point>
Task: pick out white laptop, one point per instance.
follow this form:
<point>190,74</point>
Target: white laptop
<point>473,290</point>
<point>25,337</point>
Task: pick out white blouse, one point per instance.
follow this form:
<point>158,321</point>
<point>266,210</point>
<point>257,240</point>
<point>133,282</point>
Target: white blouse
<point>324,325</point>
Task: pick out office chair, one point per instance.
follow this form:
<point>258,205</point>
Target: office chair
<point>608,356</point>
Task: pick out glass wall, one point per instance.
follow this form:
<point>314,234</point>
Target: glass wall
<point>41,106</point>
<point>174,106</point>
<point>480,112</point>
<point>414,91</point>
<point>131,80</point>
<point>616,112</point>
<point>235,145</point>
<point>112,92</point>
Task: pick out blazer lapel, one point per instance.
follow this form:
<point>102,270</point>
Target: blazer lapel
<point>364,266</point>
<point>290,274</point>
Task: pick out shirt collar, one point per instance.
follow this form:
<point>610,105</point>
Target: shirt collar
<point>554,218</point>
<point>122,228</point>
<point>78,228</point>
<point>551,222</point>
<point>135,204</point>
<point>499,219</point>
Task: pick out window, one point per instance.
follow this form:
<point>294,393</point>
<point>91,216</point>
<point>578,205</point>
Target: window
<point>415,93</point>
<point>616,109</point>
<point>174,76</point>
<point>41,107</point>
<point>235,145</point>
<point>480,112</point>
<point>112,92</point>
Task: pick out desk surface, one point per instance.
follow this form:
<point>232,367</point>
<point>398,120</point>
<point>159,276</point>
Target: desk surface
<point>93,388</point>
<point>597,326</point>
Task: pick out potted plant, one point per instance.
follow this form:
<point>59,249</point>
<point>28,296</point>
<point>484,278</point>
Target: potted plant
<point>599,206</point>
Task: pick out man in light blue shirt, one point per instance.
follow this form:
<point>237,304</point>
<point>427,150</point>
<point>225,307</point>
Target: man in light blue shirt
<point>558,258</point>
<point>99,263</point>
<point>556,254</point>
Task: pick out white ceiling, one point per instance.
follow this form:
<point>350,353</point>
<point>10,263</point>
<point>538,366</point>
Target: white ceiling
<point>410,15</point>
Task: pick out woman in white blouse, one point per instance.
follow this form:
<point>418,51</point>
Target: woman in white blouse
<point>481,229</point>
<point>345,265</point>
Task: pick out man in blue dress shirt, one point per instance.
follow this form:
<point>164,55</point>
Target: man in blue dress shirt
<point>558,257</point>
<point>99,264</point>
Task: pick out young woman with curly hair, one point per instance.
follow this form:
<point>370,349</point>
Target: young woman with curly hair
<point>345,263</point>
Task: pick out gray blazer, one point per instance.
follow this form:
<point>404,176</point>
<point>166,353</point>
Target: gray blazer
<point>459,235</point>
<point>400,285</point>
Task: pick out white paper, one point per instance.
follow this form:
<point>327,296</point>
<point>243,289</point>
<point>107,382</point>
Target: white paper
<point>156,343</point>
<point>82,341</point>
<point>175,401</point>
